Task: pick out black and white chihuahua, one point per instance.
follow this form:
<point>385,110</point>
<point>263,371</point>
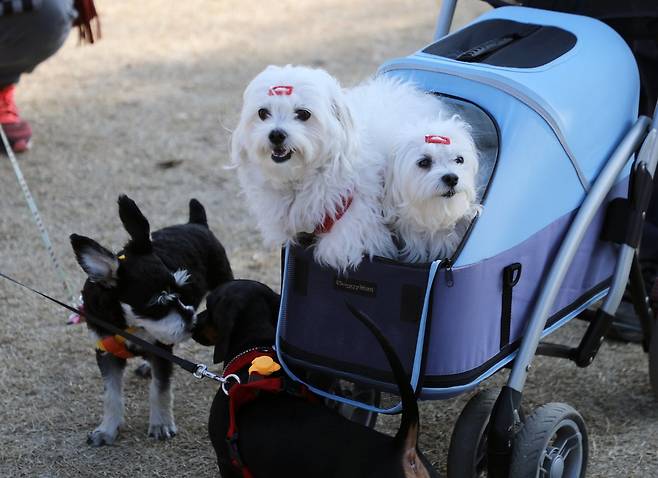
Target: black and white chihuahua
<point>152,286</point>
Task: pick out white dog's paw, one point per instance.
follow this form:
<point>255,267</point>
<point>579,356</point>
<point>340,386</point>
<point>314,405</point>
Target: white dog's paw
<point>101,436</point>
<point>162,431</point>
<point>331,250</point>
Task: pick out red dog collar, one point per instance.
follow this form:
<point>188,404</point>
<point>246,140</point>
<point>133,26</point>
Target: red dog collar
<point>244,359</point>
<point>329,221</point>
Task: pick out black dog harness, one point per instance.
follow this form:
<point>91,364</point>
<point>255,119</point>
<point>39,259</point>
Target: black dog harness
<point>259,373</point>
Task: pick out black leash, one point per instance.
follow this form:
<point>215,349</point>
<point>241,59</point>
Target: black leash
<point>199,370</point>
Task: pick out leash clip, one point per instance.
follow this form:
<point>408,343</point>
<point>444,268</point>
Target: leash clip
<point>203,372</point>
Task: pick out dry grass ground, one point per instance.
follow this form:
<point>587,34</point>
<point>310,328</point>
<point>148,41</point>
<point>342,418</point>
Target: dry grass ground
<point>158,91</point>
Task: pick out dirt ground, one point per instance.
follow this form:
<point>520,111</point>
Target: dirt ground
<point>146,112</point>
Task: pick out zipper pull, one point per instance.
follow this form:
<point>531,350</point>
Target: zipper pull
<point>449,277</point>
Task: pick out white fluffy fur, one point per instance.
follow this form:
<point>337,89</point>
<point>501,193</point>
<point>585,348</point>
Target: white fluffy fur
<point>429,225</point>
<point>330,160</point>
<point>171,329</point>
<point>383,104</point>
<point>113,408</point>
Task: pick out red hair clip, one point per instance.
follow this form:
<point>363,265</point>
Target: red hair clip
<point>280,91</point>
<point>436,139</point>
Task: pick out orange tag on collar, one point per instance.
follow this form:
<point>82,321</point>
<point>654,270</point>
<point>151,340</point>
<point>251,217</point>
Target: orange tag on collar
<point>282,90</point>
<point>264,365</point>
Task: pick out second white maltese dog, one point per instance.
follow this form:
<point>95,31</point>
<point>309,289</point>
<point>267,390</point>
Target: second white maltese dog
<point>431,191</point>
<point>304,167</point>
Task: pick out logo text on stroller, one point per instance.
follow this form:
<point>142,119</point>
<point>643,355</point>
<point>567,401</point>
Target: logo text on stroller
<point>368,289</point>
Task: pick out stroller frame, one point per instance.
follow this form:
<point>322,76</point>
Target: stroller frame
<point>492,432</point>
<point>505,418</point>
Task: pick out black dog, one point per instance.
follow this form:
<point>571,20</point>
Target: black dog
<point>153,288</point>
<point>281,435</point>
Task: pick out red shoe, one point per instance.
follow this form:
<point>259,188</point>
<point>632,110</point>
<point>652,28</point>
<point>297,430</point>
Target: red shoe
<point>18,131</point>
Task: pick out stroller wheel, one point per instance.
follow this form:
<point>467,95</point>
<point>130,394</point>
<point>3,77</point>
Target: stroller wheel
<point>552,443</point>
<point>467,456</point>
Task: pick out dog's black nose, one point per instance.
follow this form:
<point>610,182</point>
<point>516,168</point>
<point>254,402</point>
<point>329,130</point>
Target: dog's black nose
<point>277,136</point>
<point>450,179</point>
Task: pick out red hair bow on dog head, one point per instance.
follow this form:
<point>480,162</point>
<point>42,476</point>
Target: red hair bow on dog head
<point>436,139</point>
<point>281,90</point>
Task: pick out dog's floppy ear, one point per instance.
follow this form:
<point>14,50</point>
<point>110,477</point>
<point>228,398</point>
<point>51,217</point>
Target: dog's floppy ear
<point>238,149</point>
<point>342,112</point>
<point>204,331</point>
<point>135,224</point>
<point>396,170</point>
<point>224,314</point>
<point>343,115</point>
<point>100,264</point>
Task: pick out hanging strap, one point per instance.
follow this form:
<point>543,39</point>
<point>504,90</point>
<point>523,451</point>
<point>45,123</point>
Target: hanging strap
<point>511,276</point>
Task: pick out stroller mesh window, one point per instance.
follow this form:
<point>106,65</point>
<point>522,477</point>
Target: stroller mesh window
<point>485,136</point>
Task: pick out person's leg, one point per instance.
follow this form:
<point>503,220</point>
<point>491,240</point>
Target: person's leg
<point>27,39</point>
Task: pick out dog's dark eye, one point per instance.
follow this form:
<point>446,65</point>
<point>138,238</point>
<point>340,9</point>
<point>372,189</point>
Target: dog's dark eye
<point>302,115</point>
<point>459,160</point>
<point>425,162</point>
<point>263,114</point>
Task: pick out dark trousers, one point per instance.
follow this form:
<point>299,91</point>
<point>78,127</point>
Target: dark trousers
<point>30,37</point>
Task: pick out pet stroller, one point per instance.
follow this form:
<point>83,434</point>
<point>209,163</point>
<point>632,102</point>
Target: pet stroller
<point>566,169</point>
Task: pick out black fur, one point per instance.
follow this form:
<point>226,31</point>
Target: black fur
<point>197,213</point>
<point>141,276</point>
<point>135,224</point>
<point>284,436</point>
<point>148,264</point>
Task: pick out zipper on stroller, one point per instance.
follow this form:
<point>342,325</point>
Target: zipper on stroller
<point>447,265</point>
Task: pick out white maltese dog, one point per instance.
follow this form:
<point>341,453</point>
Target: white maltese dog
<point>304,167</point>
<point>431,191</point>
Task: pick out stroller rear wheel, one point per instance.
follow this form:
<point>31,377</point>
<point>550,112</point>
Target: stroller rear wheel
<point>553,443</point>
<point>467,456</point>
